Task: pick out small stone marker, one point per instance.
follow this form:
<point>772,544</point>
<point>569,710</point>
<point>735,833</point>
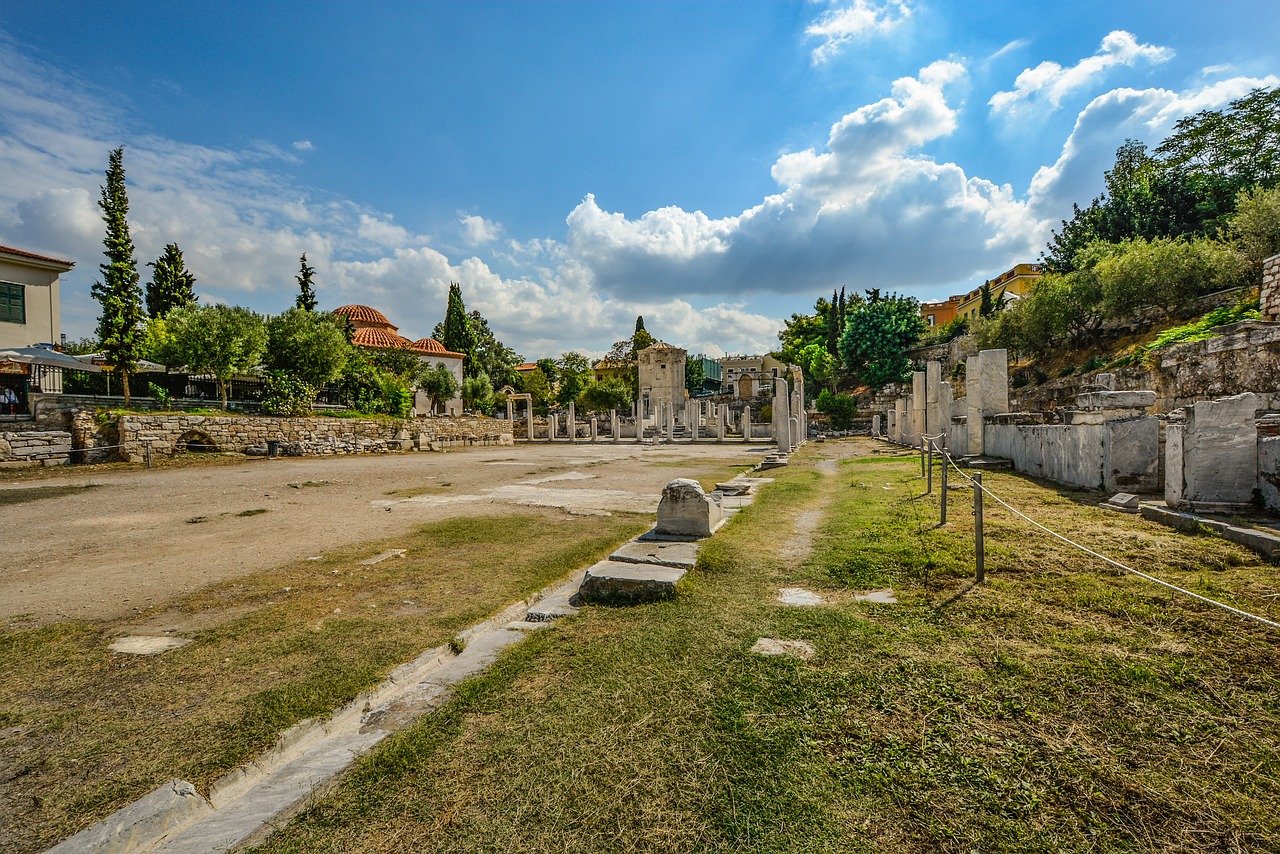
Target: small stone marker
<point>614,583</point>
<point>686,512</point>
<point>380,558</point>
<point>802,650</point>
<point>144,645</point>
<point>1125,501</point>
<point>880,597</point>
<point>798,596</point>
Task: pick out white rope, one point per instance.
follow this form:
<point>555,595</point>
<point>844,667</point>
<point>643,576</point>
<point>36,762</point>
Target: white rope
<point>1110,561</point>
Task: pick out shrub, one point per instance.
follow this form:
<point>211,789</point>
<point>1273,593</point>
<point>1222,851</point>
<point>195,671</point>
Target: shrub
<point>159,393</point>
<point>286,394</point>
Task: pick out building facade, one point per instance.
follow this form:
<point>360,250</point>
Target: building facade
<point>30,300</point>
<point>661,369</point>
<point>1008,286</point>
<point>747,376</point>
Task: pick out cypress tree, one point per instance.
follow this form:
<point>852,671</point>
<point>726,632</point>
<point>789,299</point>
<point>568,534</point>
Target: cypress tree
<point>640,323</point>
<point>120,326</point>
<point>457,334</point>
<point>833,325</point>
<point>987,306</point>
<point>172,285</point>
<point>306,293</point>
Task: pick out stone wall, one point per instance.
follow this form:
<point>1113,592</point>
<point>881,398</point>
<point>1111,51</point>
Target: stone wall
<point>169,434</point>
<point>1271,288</point>
<point>35,448</point>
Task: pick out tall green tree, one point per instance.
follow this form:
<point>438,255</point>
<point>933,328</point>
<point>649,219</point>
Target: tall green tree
<point>456,334</point>
<point>306,291</point>
<point>172,285</point>
<point>878,334</point>
<point>439,384</point>
<point>307,344</point>
<point>694,375</point>
<point>575,375</point>
<point>121,331</point>
<point>223,340</point>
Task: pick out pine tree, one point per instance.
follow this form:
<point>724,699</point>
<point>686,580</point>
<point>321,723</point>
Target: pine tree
<point>833,325</point>
<point>306,293</point>
<point>172,285</point>
<point>457,334</point>
<point>640,323</point>
<point>987,306</point>
<point>120,326</point>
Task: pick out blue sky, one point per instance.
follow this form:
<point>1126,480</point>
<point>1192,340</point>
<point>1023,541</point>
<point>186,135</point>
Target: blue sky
<point>713,166</point>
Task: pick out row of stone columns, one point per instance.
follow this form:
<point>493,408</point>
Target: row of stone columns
<point>930,407</point>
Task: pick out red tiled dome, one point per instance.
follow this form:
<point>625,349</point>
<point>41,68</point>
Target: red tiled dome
<point>364,314</point>
<point>379,339</point>
<point>431,345</point>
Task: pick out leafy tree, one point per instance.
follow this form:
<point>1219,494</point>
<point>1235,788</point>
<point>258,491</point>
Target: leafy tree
<point>399,362</point>
<point>606,395</point>
<point>819,368</point>
<point>574,373</point>
<point>839,409</point>
<point>121,332</point>
<point>492,357</point>
<point>172,284</point>
<point>439,384</point>
<point>310,345</point>
<point>1255,228</point>
<point>456,334</point>
<point>536,384</point>
<point>222,340</point>
<point>877,335</point>
<point>550,369</point>
<point>1163,272</point>
<point>306,292</point>
<point>287,395</point>
<point>694,375</point>
<point>477,393</point>
<point>1239,145</point>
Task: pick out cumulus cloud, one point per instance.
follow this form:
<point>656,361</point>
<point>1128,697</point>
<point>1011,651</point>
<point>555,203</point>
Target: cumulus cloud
<point>839,26</point>
<point>1051,83</point>
<point>303,145</point>
<point>1111,118</point>
<point>858,212</point>
<point>476,230</point>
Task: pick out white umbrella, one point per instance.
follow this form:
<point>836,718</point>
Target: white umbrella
<point>47,358</point>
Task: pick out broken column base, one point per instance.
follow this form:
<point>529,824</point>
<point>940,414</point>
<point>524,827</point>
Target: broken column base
<point>615,583</point>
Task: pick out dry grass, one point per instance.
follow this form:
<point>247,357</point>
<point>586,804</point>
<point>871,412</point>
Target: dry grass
<point>1058,707</point>
<point>84,731</point>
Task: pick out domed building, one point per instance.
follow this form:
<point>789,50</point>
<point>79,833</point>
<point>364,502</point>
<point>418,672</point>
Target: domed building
<point>374,332</point>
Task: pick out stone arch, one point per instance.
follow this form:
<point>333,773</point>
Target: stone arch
<point>195,441</point>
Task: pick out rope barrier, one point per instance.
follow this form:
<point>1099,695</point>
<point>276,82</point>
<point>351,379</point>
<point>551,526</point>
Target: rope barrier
<point>1117,564</point>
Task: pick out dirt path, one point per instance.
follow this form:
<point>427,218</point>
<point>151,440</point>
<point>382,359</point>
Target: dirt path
<point>104,545</point>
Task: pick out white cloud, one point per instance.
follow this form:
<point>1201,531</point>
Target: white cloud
<point>1109,119</point>
<point>304,145</point>
<point>839,26</point>
<point>476,230</point>
<point>861,213</point>
<point>1052,83</point>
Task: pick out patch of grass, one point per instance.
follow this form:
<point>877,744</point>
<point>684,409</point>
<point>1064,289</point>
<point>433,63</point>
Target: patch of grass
<point>36,493</point>
<point>414,491</point>
<point>93,730</point>
<point>1202,329</point>
<point>1058,707</point>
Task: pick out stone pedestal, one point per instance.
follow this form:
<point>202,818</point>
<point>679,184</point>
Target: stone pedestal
<point>614,425</point>
<point>686,512</point>
<point>746,423</point>
<point>594,427</point>
<point>571,425</point>
<point>781,416</point>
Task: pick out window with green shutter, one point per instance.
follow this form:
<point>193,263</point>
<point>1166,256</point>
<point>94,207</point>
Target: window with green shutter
<point>13,303</point>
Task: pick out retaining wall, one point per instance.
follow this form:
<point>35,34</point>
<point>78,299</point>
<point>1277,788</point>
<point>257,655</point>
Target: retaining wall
<point>35,448</point>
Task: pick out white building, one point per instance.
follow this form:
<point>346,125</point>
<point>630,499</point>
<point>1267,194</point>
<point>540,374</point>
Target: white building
<point>30,302</point>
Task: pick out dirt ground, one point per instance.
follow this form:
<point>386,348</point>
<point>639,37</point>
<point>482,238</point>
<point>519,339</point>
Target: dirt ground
<point>110,543</point>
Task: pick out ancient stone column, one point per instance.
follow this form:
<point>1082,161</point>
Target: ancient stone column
<point>746,423</point>
<point>875,426</point>
<point>594,428</point>
<point>781,416</point>
<point>614,427</point>
<point>932,394</point>
<point>693,415</point>
<point>919,402</point>
<point>511,411</point>
<point>571,426</point>
<point>552,418</point>
<point>793,424</point>
<point>636,414</point>
<point>722,420</point>
<point>671,423</point>
<point>945,401</point>
<point>528,412</point>
<point>900,422</point>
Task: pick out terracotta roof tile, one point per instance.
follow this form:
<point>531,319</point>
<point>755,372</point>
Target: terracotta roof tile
<point>24,254</point>
<point>365,314</point>
<point>434,347</point>
<point>379,339</point>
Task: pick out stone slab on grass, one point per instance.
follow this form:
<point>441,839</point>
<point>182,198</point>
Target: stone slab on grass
<point>775,647</point>
<point>679,555</point>
<point>798,596</point>
<point>613,583</point>
<point>879,597</point>
<point>145,645</point>
<point>1265,543</point>
<point>553,607</point>
<point>172,805</point>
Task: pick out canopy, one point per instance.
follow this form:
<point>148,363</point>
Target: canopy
<point>142,366</point>
<point>47,358</point>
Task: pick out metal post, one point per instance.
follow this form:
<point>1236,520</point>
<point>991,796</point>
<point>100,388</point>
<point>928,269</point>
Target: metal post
<point>146,452</point>
<point>943,521</point>
<point>978,551</point>
<point>922,444</point>
<point>929,482</point>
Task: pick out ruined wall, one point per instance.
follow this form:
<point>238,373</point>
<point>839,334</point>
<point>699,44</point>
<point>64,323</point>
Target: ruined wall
<point>300,436</point>
<point>1271,288</point>
<point>34,448</point>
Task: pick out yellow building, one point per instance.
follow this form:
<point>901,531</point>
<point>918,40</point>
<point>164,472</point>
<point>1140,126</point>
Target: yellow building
<point>610,368</point>
<point>1009,285</point>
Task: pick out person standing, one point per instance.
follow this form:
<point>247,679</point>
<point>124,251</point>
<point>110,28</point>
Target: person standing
<point>8,401</point>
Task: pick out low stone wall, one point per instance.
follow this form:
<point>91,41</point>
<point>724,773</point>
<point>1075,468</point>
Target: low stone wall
<point>169,434</point>
<point>35,448</point>
<point>1118,455</point>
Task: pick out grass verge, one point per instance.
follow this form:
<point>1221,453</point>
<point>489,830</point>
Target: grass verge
<point>1058,707</point>
<point>84,731</point>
